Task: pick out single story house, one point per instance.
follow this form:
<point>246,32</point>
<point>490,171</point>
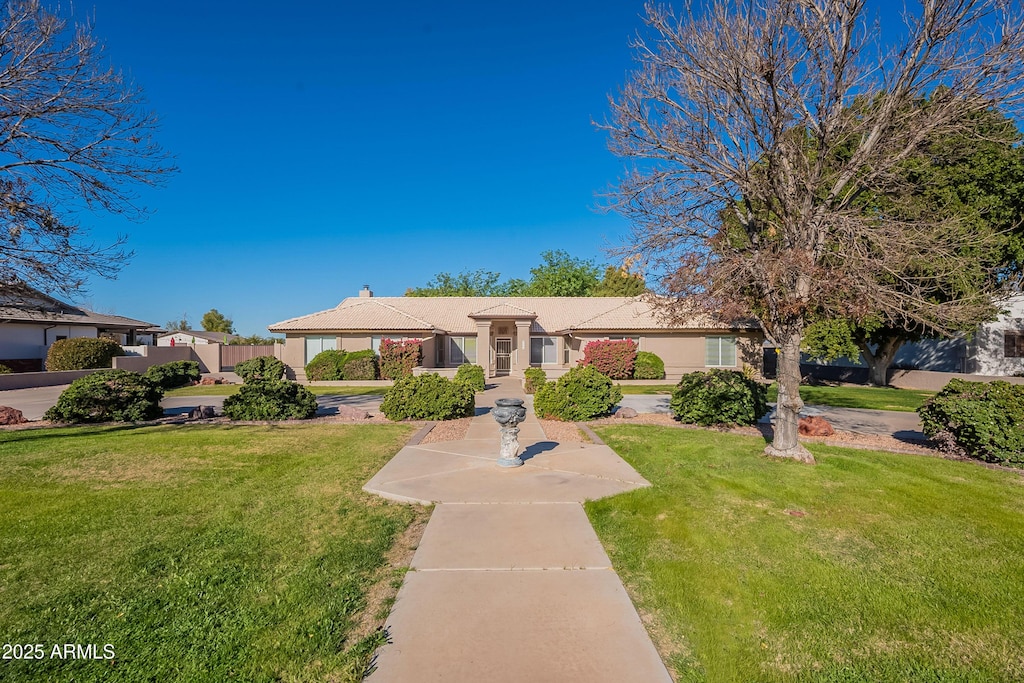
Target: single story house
<point>30,321</point>
<point>506,335</point>
<point>186,337</point>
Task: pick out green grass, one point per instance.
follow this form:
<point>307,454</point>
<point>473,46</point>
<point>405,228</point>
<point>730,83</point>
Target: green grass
<point>230,389</point>
<point>874,398</point>
<point>901,568</point>
<point>206,553</point>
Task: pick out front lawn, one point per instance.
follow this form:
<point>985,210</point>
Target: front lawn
<point>199,553</point>
<point>864,567</point>
<point>231,389</point>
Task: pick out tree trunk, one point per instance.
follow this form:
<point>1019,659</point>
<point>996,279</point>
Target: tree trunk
<point>786,443</point>
<point>879,361</point>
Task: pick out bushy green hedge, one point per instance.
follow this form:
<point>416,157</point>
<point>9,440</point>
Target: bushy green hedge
<point>260,368</point>
<point>535,379</point>
<point>473,375</point>
<point>611,357</point>
<point>981,420</point>
<point>108,396</point>
<point>361,365</point>
<point>428,397</point>
<point>82,353</point>
<point>326,366</point>
<point>583,393</point>
<point>271,399</point>
<point>177,373</point>
<point>719,397</point>
<point>648,366</point>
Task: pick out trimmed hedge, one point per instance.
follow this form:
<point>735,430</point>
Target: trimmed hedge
<point>271,399</point>
<point>473,375</point>
<point>583,393</point>
<point>108,396</point>
<point>82,353</point>
<point>648,366</point>
<point>719,397</point>
<point>428,397</point>
<point>260,368</point>
<point>326,366</point>
<point>980,420</point>
<point>398,358</point>
<point>535,379</point>
<point>361,365</point>
<point>177,373</point>
<point>614,358</point>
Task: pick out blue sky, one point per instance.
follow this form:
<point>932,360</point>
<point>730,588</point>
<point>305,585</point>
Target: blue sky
<point>336,143</point>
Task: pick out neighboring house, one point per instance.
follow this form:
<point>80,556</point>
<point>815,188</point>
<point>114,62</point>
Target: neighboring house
<point>506,335</point>
<point>185,337</point>
<point>31,321</point>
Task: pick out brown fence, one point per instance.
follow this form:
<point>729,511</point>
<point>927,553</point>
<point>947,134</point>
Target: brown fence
<point>230,355</point>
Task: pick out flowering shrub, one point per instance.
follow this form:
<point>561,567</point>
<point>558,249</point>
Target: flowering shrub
<point>398,358</point>
<point>612,358</point>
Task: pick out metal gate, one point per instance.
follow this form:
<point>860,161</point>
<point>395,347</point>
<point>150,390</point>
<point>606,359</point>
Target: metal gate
<point>503,355</point>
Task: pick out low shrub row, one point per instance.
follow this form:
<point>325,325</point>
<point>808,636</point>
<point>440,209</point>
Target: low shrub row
<point>339,365</point>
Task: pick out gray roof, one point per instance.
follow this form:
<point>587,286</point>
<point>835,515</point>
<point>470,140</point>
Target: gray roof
<point>202,334</point>
<point>26,305</point>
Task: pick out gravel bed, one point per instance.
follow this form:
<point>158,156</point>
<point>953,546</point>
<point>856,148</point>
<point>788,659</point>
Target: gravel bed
<point>562,432</point>
<point>448,430</point>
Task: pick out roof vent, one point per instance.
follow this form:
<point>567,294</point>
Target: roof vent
<point>365,291</point>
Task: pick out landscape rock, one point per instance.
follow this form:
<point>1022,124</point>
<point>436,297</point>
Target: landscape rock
<point>351,413</point>
<point>815,426</point>
<point>207,381</point>
<point>625,413</point>
<point>11,416</point>
<point>202,412</point>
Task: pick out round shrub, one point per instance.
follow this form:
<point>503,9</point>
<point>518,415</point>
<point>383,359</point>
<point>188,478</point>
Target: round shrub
<point>177,373</point>
<point>326,366</point>
<point>535,379</point>
<point>361,365</point>
<point>719,397</point>
<point>648,366</point>
<point>108,396</point>
<point>980,420</point>
<point>428,397</point>
<point>473,375</point>
<point>82,353</point>
<point>260,368</point>
<point>583,393</point>
<point>271,399</point>
<point>611,357</point>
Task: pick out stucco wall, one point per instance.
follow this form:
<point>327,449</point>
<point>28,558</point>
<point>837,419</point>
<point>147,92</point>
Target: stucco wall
<point>21,341</point>
<point>987,354</point>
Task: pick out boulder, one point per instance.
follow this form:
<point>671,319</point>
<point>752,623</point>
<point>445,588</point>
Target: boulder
<point>625,413</point>
<point>352,413</point>
<point>11,416</point>
<point>815,426</point>
<point>202,413</point>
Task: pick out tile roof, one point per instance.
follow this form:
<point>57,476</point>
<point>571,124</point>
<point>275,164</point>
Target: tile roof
<point>455,315</point>
<point>27,305</point>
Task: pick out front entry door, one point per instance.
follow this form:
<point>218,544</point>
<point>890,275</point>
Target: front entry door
<point>503,355</point>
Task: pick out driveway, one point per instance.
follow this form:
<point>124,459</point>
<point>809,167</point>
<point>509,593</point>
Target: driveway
<point>859,421</point>
<point>34,402</point>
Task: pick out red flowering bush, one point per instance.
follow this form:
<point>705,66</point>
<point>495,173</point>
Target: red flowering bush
<point>612,358</point>
<point>398,358</point>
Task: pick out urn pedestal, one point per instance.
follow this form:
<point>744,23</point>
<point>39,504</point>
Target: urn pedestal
<point>509,412</point>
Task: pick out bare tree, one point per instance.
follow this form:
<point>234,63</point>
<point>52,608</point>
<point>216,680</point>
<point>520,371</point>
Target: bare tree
<point>74,138</point>
<point>757,125</point>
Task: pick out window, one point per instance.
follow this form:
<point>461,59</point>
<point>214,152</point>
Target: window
<point>720,352</point>
<point>439,351</point>
<point>1013,344</point>
<point>542,351</point>
<point>566,347</point>
<point>315,345</point>
<point>462,350</point>
<point>375,343</point>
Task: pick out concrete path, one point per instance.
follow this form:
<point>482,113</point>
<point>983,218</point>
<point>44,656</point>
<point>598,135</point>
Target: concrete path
<point>510,582</point>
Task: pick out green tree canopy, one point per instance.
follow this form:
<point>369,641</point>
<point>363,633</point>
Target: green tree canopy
<point>562,275</point>
<point>178,325</point>
<point>214,321</point>
<point>620,282</point>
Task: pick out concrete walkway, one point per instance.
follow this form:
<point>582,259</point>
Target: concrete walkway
<point>510,582</point>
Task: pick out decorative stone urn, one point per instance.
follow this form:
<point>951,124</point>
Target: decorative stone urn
<point>509,412</point>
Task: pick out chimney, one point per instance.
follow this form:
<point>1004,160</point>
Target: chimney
<point>365,292</point>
